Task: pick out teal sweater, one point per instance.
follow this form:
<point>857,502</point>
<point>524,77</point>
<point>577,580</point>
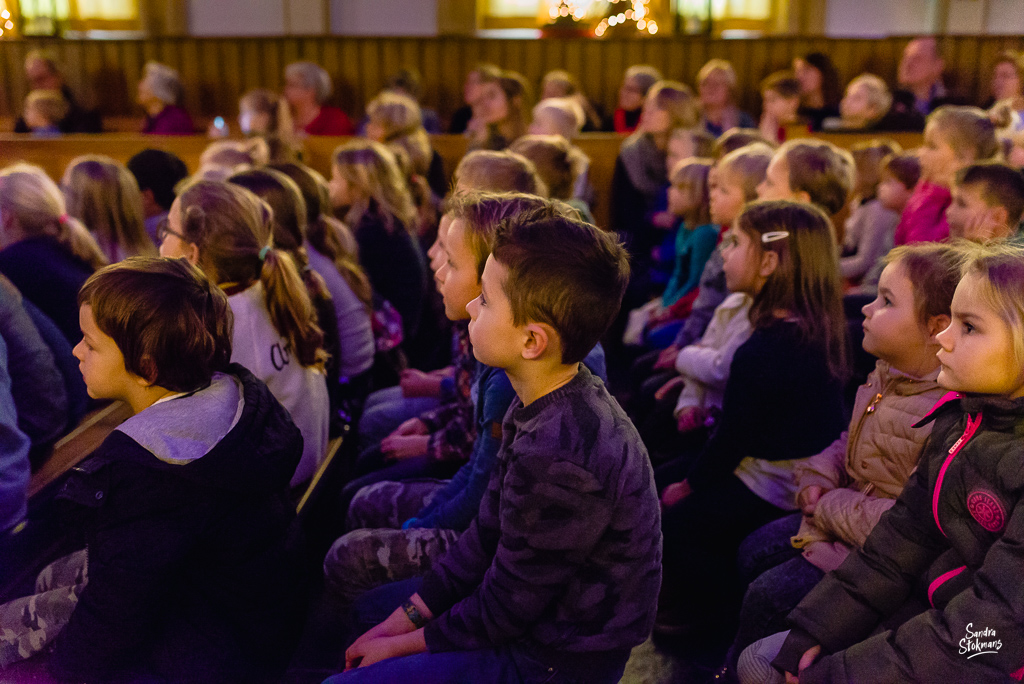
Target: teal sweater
<point>693,247</point>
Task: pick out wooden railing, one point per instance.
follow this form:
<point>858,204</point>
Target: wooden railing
<point>216,72</point>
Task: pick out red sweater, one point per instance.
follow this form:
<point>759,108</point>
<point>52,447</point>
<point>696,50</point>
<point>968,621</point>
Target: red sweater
<point>924,217</point>
<point>330,121</point>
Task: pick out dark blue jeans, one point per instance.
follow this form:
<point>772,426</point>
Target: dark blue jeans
<point>510,663</point>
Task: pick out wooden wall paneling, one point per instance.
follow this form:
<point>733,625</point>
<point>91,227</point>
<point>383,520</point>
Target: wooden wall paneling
<point>437,92</point>
<point>696,56</point>
<point>289,51</point>
<point>453,63</point>
<point>14,80</point>
<point>347,86</point>
<point>600,86</point>
<point>92,64</point>
<point>330,60</point>
<point>572,60</point>
<point>390,62</point>
<point>370,68</point>
<point>311,49</point>
<point>988,51</point>
<point>613,66</point>
<point>200,95</point>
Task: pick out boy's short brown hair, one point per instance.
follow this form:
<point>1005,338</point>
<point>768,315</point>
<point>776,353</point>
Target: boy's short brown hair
<point>562,272</point>
<point>1000,185</point>
<point>904,167</point>
<point>483,212</point>
<point>933,269</point>
<point>738,138</point>
<point>172,324</point>
<point>820,169</point>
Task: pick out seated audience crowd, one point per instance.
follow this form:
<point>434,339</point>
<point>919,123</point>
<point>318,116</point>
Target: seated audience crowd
<point>771,407</point>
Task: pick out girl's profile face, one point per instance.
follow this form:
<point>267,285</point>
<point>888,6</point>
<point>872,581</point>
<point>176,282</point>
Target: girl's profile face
<point>460,283</point>
<point>1005,81</point>
<point>726,196</point>
<point>340,189</point>
<point>654,119</point>
<point>939,161</point>
<point>809,77</point>
<point>892,327</point>
<point>741,262</point>
<point>977,352</point>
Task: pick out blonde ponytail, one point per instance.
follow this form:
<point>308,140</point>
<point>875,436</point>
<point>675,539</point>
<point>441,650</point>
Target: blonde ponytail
<point>291,309</point>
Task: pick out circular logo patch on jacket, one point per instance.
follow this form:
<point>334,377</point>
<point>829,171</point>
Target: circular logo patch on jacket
<point>987,510</point>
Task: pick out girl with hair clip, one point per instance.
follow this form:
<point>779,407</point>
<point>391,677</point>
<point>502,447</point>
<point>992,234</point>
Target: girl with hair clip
<point>104,195</point>
<point>47,254</point>
<point>783,402</point>
<point>332,253</point>
<point>367,188</point>
<point>935,593</point>
<point>227,231</point>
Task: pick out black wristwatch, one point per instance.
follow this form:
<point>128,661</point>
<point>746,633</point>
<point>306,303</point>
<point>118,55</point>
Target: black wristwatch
<point>414,614</point>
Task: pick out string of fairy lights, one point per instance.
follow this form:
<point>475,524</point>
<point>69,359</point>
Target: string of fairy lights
<point>636,13</point>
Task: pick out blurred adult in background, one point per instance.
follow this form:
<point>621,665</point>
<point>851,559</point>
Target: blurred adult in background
<point>43,73</point>
<point>483,73</point>
<point>920,79</point>
<point>1008,91</point>
<point>159,93</point>
<point>499,116</point>
<point>820,88</point>
<point>307,87</point>
<point>867,106</point>
<point>635,83</point>
<point>716,86</point>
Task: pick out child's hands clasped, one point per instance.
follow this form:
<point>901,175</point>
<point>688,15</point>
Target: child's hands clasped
<point>400,447</point>
<point>413,426</point>
<point>416,383</point>
<point>806,660</point>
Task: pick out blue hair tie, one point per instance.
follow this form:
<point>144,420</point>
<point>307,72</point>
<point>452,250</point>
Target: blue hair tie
<point>263,253</point>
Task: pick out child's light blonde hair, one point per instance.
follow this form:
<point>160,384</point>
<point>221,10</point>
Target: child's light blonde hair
<point>505,171</point>
<point>372,171</point>
<point>233,156</point>
<point>50,104</point>
<point>37,205</point>
<point>401,120</point>
<point>968,130</point>
<point>749,164</point>
<point>867,158</point>
<point>1000,265</point>
<point>678,100</point>
<point>280,135</point>
<point>104,195</point>
<point>558,163</point>
<point>722,66</point>
<point>565,112</point>
<point>878,93</point>
<point>691,176</point>
<point>822,170</point>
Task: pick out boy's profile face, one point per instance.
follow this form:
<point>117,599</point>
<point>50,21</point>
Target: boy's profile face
<point>969,216</point>
<point>725,195</point>
<point>775,185</point>
<point>496,339</point>
<point>892,194</point>
<point>100,360</point>
<point>458,274</point>
<point>781,108</point>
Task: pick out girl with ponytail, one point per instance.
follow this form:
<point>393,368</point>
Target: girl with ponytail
<point>47,254</point>
<point>227,231</point>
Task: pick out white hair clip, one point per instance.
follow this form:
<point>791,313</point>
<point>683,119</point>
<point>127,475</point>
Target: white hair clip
<point>774,235</point>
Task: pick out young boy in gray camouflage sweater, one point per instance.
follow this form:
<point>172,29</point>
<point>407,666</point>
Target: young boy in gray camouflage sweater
<point>557,578</point>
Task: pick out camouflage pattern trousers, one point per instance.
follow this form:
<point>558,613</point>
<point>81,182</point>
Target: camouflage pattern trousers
<point>28,625</point>
<point>378,551</point>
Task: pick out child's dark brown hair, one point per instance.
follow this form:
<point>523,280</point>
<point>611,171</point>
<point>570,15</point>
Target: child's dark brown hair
<point>562,272</point>
<point>172,324</point>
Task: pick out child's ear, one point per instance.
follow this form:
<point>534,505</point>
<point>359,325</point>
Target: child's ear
<point>937,324</point>
<point>192,253</point>
<point>769,262</point>
<point>999,215</point>
<point>802,196</point>
<point>538,338</point>
<point>148,369</point>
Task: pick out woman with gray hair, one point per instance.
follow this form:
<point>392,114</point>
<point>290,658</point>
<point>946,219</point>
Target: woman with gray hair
<point>159,92</point>
<point>306,88</point>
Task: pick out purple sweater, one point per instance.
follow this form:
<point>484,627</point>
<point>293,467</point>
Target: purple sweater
<point>173,120</point>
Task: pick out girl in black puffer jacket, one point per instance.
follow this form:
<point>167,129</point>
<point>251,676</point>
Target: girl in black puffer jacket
<point>937,592</point>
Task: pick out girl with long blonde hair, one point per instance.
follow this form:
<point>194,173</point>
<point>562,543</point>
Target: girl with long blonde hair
<point>104,195</point>
<point>45,252</point>
<point>368,190</point>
